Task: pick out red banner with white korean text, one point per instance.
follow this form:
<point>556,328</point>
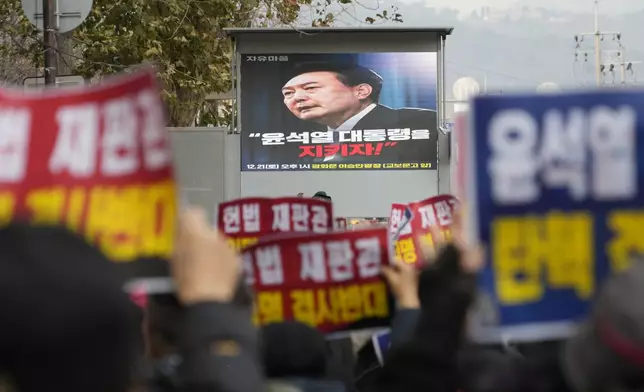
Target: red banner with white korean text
<point>96,160</point>
<point>329,281</point>
<point>405,246</point>
<point>435,211</point>
<point>244,221</point>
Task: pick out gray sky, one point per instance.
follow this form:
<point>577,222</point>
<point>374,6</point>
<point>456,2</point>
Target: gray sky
<point>526,49</point>
<point>606,6</point>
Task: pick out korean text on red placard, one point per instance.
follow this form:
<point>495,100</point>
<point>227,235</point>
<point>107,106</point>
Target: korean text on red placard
<point>95,160</point>
<point>435,211</point>
<point>405,245</point>
<point>329,281</point>
<point>245,220</point>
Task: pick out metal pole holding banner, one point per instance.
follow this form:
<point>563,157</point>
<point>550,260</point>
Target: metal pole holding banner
<point>49,34</point>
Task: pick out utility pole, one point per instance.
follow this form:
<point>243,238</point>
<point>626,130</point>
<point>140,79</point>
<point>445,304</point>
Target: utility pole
<point>615,56</point>
<point>598,51</point>
<point>49,33</point>
<point>620,63</point>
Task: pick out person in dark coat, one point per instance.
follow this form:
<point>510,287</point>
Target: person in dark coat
<point>69,326</point>
<point>295,355</point>
<point>428,361</point>
<point>438,357</point>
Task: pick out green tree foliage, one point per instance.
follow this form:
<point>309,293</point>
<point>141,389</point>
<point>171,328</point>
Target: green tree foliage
<point>181,39</point>
<point>21,46</point>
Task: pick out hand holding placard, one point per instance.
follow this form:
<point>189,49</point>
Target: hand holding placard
<point>205,267</point>
<point>403,281</point>
<point>471,256</point>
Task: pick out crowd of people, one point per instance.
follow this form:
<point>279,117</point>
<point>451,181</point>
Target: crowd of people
<point>68,326</point>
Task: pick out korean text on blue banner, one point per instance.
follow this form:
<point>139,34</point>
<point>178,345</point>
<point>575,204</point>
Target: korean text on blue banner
<point>555,192</point>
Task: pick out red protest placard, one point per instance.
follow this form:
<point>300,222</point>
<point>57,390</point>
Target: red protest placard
<point>245,220</point>
<point>435,211</point>
<point>330,281</point>
<point>96,160</point>
<point>405,246</point>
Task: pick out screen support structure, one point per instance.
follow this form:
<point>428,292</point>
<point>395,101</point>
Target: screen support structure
<point>441,87</point>
<point>235,126</point>
<point>440,104</point>
<point>351,187</point>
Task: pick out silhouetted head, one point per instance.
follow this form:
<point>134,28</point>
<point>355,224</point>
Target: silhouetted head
<point>67,324</point>
<point>293,349</point>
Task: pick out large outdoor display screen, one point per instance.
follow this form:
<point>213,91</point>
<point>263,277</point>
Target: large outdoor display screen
<point>359,111</point>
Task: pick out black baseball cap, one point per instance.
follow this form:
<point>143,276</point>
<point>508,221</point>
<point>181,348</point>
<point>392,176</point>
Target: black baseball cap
<point>322,195</point>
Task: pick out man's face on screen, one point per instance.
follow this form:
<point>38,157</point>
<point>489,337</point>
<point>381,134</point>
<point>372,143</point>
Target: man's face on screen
<point>321,97</point>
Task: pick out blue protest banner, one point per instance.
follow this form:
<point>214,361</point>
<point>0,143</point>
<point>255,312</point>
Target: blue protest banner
<point>555,188</point>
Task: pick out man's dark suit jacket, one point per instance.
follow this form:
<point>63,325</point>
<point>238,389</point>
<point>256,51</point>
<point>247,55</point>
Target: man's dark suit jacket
<point>383,117</point>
